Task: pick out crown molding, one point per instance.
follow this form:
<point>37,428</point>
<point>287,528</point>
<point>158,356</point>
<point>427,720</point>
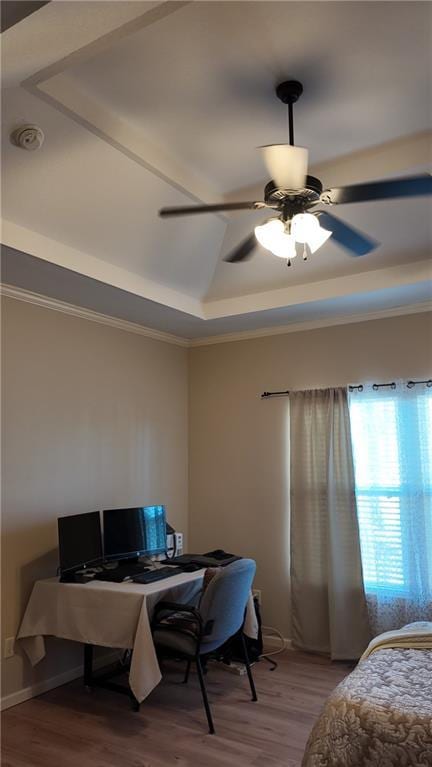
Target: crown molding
<point>297,327</point>
<point>19,294</point>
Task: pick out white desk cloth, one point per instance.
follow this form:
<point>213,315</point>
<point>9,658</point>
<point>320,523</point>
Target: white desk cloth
<point>110,615</point>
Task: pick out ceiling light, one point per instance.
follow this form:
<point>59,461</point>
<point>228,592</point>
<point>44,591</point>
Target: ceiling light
<point>285,247</point>
<point>306,229</point>
<point>318,238</point>
<point>273,236</point>
<point>267,234</point>
<point>280,237</point>
<point>303,226</point>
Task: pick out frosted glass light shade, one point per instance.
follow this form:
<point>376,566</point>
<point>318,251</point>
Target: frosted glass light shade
<point>303,226</point>
<point>318,238</point>
<point>273,237</point>
<point>268,233</point>
<point>286,164</point>
<point>285,247</point>
<point>306,228</point>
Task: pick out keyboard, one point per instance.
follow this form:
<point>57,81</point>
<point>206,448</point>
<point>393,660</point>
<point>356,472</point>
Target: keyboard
<point>156,575</point>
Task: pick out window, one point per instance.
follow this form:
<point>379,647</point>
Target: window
<point>392,446</point>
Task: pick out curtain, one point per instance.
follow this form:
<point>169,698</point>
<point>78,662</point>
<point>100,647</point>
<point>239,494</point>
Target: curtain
<point>392,440</point>
<point>329,612</point>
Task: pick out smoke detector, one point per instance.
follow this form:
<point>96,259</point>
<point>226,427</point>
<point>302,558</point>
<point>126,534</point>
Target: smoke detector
<point>28,137</point>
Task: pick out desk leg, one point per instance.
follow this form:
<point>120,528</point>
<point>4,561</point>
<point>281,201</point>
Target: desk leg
<point>88,666</point>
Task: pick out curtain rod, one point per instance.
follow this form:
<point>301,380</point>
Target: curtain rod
<point>352,387</point>
<point>391,385</point>
<point>266,394</point>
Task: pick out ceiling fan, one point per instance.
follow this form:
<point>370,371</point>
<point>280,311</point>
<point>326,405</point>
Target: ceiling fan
<point>294,195</point>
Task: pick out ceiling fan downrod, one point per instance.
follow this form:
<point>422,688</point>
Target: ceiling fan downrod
<point>289,92</point>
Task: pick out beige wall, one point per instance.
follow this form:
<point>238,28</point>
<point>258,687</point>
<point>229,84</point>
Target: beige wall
<point>238,459</point>
<point>96,417</point>
<point>93,417</point>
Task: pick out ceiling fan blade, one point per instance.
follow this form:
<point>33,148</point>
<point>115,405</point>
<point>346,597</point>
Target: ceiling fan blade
<point>286,164</point>
<point>186,211</point>
<point>243,251</point>
<point>411,186</point>
<point>351,239</point>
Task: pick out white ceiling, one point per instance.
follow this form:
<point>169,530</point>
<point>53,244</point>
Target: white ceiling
<point>201,81</point>
<point>151,104</point>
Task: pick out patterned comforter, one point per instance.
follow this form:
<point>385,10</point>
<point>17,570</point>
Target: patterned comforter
<point>379,716</point>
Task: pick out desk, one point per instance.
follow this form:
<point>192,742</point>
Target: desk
<point>109,615</point>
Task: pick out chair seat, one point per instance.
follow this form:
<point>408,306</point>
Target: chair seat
<point>175,640</point>
<point>182,643</point>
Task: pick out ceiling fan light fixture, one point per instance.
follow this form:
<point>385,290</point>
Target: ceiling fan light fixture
<point>290,189</point>
<point>268,233</point>
<point>306,229</point>
<point>285,247</point>
<point>304,226</point>
<point>318,238</point>
<point>287,165</point>
<point>274,237</point>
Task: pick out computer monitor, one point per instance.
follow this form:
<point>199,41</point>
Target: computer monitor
<point>134,532</point>
<point>80,540</point>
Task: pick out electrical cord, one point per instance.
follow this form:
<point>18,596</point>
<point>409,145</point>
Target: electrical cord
<point>268,655</point>
<point>270,631</point>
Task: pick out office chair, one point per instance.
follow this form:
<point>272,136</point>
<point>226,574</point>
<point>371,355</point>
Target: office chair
<point>195,634</point>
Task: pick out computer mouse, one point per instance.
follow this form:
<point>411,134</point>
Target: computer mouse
<point>190,567</point>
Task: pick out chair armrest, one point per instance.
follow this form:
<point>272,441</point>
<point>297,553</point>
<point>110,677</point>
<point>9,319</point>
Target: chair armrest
<point>164,609</point>
<point>176,607</point>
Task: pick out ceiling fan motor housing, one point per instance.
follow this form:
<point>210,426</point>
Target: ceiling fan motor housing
<point>297,199</point>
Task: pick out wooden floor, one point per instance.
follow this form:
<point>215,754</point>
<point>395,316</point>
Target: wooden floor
<point>68,727</point>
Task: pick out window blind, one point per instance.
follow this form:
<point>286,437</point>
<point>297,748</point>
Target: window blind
<point>392,446</point>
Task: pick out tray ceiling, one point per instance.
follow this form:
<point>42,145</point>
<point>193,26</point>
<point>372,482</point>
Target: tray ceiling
<point>152,104</point>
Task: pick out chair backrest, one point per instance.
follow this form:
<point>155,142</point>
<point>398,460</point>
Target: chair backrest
<point>224,601</point>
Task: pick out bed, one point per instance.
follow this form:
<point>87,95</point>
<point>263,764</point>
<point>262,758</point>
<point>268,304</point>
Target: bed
<point>381,714</point>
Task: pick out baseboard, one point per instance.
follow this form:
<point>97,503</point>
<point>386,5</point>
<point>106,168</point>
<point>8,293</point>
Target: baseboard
<point>55,681</point>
